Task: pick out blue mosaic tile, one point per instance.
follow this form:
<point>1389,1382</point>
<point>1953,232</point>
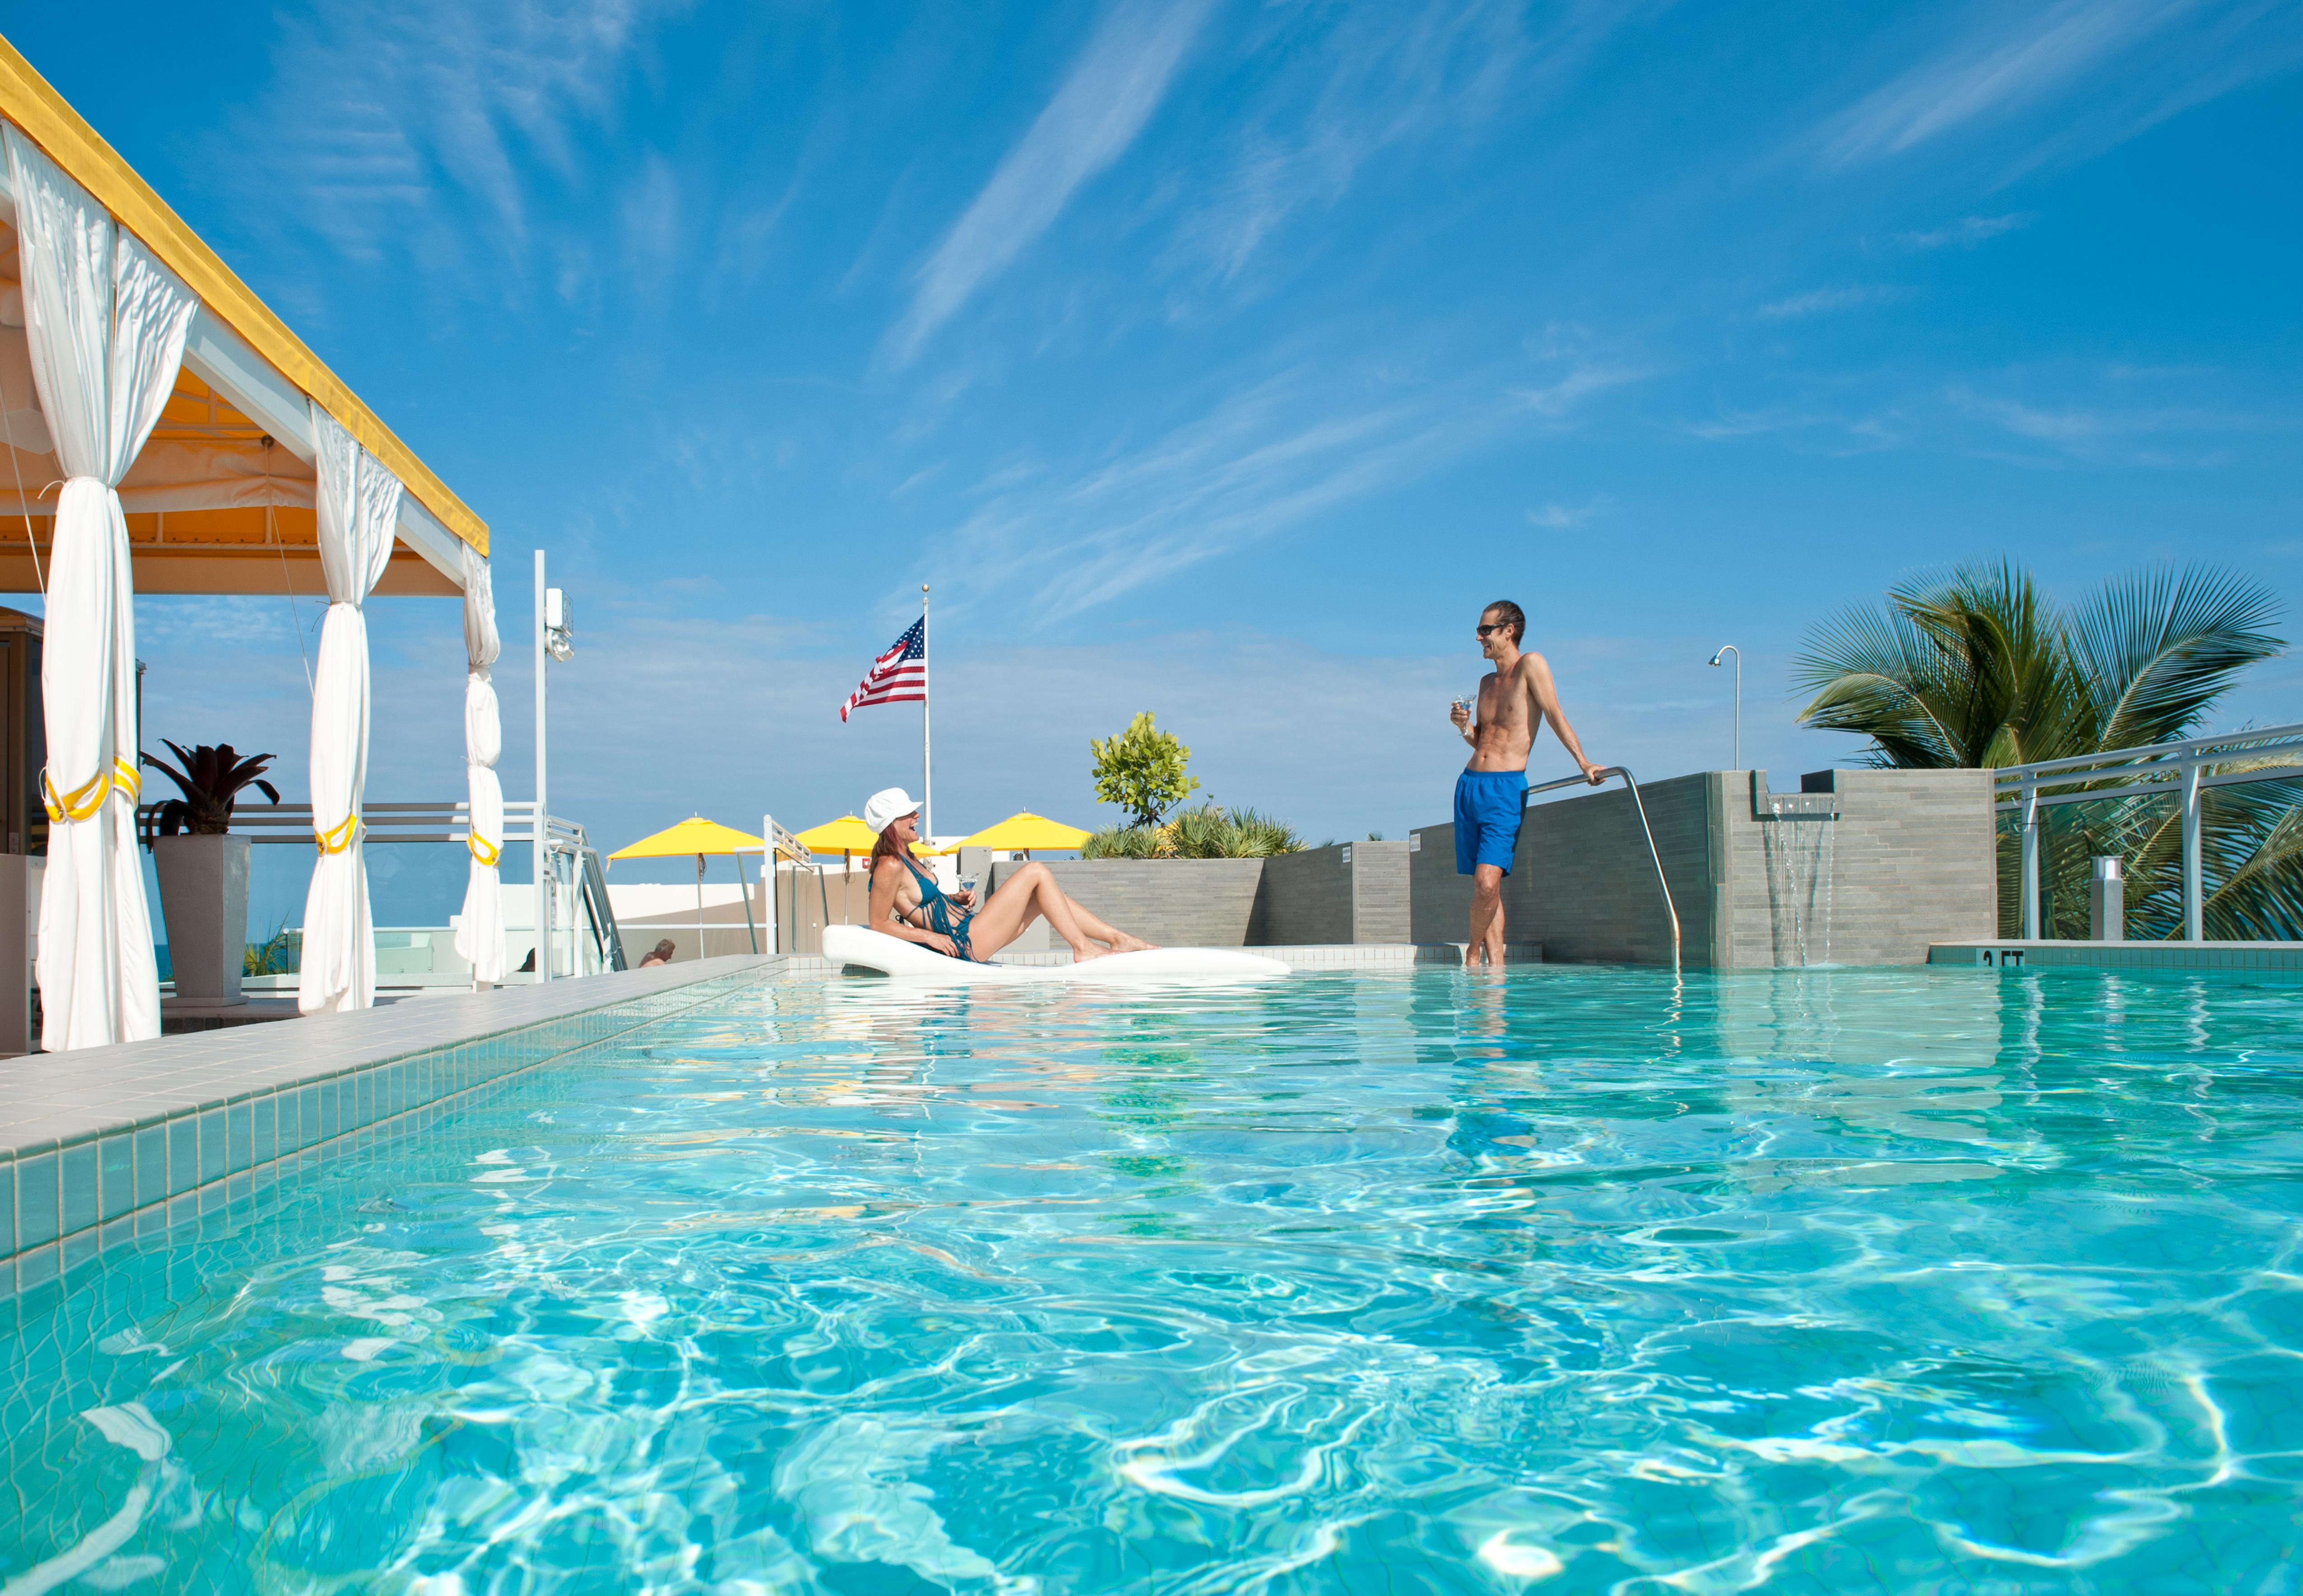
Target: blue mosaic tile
<point>116,1173</point>
<point>183,1154</point>
<point>265,1118</point>
<point>35,1266</point>
<point>151,1163</point>
<point>36,1200</point>
<point>240,1137</point>
<point>79,1201</point>
<point>212,1144</point>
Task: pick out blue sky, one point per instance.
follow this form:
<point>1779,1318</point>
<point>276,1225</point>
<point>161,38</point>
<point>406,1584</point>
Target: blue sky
<point>1222,359</point>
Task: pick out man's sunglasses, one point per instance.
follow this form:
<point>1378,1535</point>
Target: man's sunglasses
<point>1493,626</point>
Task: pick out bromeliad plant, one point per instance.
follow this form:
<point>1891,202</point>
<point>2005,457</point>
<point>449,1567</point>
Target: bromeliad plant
<point>212,779</point>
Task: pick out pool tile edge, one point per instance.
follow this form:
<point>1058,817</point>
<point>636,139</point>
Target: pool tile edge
<point>194,1163</point>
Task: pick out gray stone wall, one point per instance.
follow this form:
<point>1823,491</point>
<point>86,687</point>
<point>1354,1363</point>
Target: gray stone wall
<point>1582,884</point>
<point>1908,862</point>
<point>1439,900</point>
<point>1177,903</point>
<point>1344,892</point>
<point>1304,897</point>
<point>1912,864</point>
<point>1380,893</point>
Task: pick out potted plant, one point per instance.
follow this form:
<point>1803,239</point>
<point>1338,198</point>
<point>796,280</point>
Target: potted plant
<point>204,873</point>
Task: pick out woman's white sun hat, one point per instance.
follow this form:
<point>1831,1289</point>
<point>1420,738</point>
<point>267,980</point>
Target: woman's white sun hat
<point>887,807</point>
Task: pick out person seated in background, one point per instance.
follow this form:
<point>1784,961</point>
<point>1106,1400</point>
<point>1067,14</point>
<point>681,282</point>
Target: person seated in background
<point>660,954</point>
<point>907,902</point>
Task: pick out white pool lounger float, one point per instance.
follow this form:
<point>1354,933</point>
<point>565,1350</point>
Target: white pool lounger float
<point>908,961</point>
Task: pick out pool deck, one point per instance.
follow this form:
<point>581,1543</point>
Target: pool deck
<point>2015,953</point>
<point>102,1146</point>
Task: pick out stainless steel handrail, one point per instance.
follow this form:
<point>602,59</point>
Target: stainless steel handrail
<point>1670,910</point>
<point>2235,743</point>
<point>2179,771</point>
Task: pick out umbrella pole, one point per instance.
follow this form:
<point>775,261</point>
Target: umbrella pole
<point>744,891</point>
<point>699,906</point>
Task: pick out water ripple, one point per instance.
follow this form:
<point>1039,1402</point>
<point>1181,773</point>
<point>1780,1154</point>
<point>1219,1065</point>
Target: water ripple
<point>1576,1280</point>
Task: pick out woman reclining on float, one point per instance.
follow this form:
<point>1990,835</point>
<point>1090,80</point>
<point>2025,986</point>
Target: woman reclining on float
<point>907,903</point>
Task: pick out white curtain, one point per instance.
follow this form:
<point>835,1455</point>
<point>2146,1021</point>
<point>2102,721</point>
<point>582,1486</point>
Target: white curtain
<point>105,324</point>
<point>480,929</point>
<point>357,502</point>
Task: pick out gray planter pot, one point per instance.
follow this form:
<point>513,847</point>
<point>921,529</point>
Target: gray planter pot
<point>204,901</point>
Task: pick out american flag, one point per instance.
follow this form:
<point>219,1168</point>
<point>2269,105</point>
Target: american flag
<point>899,676</point>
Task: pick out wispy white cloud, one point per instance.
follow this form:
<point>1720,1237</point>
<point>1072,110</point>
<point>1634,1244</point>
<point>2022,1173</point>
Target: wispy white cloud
<point>1966,232</point>
<point>1563,395</point>
<point>1326,104</point>
<point>2163,435</point>
<point>1559,517</point>
<point>2010,67</point>
<point>420,131</point>
<point>1096,114</point>
<point>1274,453</point>
<point>1823,301</point>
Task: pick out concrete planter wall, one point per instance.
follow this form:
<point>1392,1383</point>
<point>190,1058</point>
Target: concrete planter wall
<point>1344,892</point>
<point>204,903</point>
<point>1908,862</point>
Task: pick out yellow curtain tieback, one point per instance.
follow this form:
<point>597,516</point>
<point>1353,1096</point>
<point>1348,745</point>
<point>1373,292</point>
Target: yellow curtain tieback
<point>336,839</point>
<point>487,853</point>
<point>83,801</point>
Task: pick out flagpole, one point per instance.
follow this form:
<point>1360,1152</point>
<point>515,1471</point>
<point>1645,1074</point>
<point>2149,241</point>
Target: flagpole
<point>927,759</point>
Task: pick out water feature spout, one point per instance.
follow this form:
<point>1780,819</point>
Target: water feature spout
<point>1799,838</point>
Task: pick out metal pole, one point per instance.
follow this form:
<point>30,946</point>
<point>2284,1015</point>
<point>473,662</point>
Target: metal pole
<point>1728,648</point>
<point>542,885</point>
<point>768,882</point>
<point>2195,922</point>
<point>927,759</point>
<point>2031,863</point>
<point>744,891</point>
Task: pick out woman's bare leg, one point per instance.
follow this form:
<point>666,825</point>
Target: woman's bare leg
<point>1029,894</point>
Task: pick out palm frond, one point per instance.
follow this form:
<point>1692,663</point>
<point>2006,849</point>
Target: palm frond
<point>2156,649</point>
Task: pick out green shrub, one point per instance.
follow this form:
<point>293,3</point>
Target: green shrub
<point>1122,842</point>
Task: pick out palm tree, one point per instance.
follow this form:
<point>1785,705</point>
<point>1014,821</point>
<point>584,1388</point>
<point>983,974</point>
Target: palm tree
<point>1976,667</point>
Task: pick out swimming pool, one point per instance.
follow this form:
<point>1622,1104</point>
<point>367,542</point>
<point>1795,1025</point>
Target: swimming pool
<point>1568,1280</point>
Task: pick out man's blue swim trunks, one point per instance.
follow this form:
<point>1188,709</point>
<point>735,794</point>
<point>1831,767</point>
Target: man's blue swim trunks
<point>1487,807</point>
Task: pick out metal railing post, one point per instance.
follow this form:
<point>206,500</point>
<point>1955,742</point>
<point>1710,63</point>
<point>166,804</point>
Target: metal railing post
<point>2194,908</point>
<point>1631,784</point>
<point>2031,863</point>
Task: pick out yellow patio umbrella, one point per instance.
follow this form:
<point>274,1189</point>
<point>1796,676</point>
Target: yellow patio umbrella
<point>1025,831</point>
<point>698,836</point>
<point>847,834</point>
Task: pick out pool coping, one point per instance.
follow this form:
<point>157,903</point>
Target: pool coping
<point>101,1146</point>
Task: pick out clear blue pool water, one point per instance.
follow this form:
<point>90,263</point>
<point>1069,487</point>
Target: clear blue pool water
<point>1576,1280</point>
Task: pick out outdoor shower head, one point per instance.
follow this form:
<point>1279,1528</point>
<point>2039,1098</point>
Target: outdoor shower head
<point>1717,657</point>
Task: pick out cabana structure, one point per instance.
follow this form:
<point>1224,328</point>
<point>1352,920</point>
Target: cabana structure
<point>165,431</point>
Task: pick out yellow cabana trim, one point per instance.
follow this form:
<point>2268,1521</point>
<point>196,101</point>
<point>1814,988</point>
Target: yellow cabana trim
<point>49,120</point>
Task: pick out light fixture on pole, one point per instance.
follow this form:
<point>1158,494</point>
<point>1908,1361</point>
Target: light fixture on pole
<point>1726,648</point>
<point>554,640</point>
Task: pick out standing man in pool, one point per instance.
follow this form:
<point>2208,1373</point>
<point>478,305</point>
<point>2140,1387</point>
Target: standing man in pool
<point>1491,794</point>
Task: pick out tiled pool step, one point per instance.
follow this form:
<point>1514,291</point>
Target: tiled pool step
<point>2014,953</point>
